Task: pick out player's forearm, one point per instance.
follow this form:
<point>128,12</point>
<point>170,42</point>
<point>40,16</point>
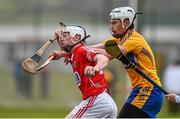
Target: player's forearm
<point>100,46</point>
<point>102,62</point>
<point>57,54</point>
<point>63,53</point>
<point>103,52</point>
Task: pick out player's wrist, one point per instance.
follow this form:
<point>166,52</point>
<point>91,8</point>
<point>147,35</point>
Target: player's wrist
<point>96,69</point>
<point>61,54</point>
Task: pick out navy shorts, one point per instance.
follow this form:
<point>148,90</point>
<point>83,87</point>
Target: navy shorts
<point>147,98</point>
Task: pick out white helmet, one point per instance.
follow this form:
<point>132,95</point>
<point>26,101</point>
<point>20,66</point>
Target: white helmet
<point>123,13</point>
<point>74,30</point>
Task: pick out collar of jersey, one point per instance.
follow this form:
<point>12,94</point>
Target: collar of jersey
<point>77,47</point>
<point>125,37</point>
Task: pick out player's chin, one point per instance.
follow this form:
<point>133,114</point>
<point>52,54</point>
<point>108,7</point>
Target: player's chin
<point>62,44</point>
<point>114,31</point>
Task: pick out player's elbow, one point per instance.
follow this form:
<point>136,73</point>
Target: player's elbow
<point>102,62</point>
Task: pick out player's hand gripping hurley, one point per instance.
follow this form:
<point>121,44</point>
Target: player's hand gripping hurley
<point>112,48</point>
<point>30,65</point>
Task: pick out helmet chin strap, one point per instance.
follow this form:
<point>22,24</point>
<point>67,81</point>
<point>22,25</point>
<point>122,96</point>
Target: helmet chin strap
<point>68,48</point>
<point>120,35</point>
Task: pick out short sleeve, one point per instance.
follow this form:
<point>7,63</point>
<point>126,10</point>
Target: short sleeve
<point>87,54</point>
<point>131,44</point>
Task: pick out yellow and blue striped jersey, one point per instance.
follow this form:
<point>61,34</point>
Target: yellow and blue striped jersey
<point>139,52</point>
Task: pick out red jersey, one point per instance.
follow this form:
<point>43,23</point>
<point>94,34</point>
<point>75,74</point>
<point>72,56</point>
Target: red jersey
<point>81,58</point>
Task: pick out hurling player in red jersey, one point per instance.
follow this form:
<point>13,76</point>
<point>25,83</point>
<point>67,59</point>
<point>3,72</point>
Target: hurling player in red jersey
<point>87,67</point>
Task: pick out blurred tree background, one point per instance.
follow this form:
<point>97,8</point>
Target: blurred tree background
<point>26,24</point>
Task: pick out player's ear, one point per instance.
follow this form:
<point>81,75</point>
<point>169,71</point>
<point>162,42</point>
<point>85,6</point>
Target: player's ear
<point>126,23</point>
<point>77,37</point>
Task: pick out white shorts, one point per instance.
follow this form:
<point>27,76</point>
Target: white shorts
<point>101,106</point>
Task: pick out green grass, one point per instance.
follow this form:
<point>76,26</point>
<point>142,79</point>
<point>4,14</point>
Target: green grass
<point>32,113</point>
<point>164,113</point>
<point>45,112</point>
<point>63,96</point>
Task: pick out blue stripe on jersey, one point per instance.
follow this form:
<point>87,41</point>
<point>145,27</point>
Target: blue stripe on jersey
<point>133,94</point>
<point>131,57</point>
